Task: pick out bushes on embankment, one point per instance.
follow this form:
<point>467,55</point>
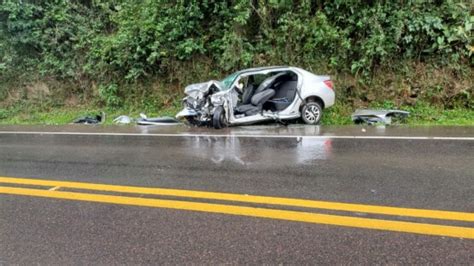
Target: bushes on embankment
<point>141,53</point>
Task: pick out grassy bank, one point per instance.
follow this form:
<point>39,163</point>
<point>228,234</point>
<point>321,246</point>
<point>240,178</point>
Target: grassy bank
<point>35,115</point>
<point>421,114</point>
<point>434,96</point>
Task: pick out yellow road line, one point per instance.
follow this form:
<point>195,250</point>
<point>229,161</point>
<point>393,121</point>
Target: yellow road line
<point>384,210</point>
<point>407,227</point>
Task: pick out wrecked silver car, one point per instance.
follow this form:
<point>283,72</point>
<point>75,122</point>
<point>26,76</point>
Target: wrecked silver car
<point>256,95</point>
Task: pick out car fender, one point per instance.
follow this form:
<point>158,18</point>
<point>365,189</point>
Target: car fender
<point>186,112</point>
<point>314,86</point>
<point>319,90</point>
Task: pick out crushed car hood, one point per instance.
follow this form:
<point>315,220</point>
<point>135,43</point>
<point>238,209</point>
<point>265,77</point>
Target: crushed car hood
<point>193,90</point>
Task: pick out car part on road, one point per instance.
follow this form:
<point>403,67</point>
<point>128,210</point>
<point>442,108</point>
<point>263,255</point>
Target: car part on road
<point>91,119</point>
<point>123,119</point>
<point>162,121</point>
<point>144,120</point>
<point>373,116</point>
<point>258,95</point>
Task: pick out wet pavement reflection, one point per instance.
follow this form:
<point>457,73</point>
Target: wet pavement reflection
<point>298,150</point>
<point>259,130</point>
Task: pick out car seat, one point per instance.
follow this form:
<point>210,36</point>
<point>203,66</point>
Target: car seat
<point>284,96</point>
<point>262,94</point>
<point>248,93</point>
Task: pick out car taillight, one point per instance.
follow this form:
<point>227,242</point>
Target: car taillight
<point>329,84</point>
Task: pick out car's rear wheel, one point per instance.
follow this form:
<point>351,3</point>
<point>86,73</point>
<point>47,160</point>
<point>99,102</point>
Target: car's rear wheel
<point>218,119</point>
<point>312,113</point>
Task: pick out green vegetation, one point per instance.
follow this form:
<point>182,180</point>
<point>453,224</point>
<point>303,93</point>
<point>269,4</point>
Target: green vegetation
<point>338,115</point>
<point>65,115</point>
<point>63,58</point>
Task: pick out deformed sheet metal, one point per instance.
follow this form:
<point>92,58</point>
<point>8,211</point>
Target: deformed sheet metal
<point>372,116</point>
<point>162,121</point>
<point>123,119</point>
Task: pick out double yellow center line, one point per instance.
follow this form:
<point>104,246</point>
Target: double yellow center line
<point>280,214</point>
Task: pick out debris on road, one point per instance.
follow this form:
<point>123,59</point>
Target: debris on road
<point>89,120</point>
<point>145,121</point>
<point>374,116</point>
<point>123,119</point>
<point>165,120</point>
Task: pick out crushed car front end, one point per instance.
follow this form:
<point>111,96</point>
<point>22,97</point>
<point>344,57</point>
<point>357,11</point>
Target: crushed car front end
<point>197,106</point>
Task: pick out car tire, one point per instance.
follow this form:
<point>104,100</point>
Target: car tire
<point>311,113</point>
<point>219,119</point>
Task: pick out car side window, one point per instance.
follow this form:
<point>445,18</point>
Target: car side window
<point>259,78</point>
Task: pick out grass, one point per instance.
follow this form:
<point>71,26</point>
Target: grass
<point>34,115</point>
<point>339,114</point>
<point>426,115</point>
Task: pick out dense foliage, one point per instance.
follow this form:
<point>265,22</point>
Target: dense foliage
<point>118,42</point>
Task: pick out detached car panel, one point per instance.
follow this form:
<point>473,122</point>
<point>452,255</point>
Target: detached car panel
<point>258,94</point>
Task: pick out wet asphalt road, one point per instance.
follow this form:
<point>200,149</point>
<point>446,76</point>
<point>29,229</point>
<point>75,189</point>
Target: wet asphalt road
<point>416,173</point>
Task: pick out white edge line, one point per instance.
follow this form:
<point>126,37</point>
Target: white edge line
<point>233,135</point>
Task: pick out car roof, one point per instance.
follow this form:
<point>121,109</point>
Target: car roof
<point>256,69</point>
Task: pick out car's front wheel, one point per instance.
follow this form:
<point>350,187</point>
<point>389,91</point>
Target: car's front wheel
<point>312,113</point>
<point>218,119</point>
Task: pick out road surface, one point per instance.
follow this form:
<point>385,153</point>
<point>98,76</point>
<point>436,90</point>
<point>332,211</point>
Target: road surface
<point>264,194</point>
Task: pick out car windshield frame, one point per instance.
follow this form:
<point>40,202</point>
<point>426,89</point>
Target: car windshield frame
<point>229,80</point>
